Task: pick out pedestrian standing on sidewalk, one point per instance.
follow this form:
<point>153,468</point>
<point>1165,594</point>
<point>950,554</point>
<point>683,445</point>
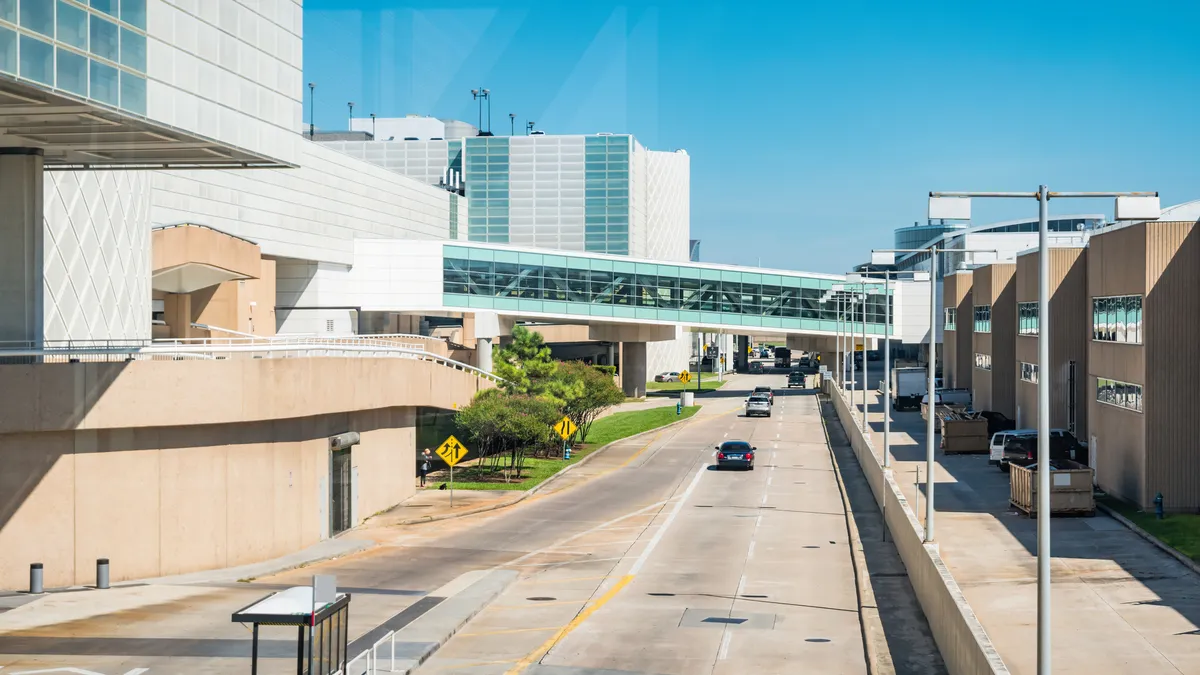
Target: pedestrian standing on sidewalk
<point>423,468</point>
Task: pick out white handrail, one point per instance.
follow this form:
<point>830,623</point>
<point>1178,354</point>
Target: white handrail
<point>208,352</point>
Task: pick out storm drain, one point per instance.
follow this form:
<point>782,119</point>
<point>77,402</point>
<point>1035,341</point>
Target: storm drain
<point>711,618</point>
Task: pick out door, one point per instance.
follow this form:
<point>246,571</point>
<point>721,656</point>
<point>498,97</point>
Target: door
<point>340,496</point>
<point>1092,458</point>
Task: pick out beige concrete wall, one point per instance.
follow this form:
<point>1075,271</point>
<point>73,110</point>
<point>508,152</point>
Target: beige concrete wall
<point>172,247</point>
<point>961,639</point>
<point>110,471</point>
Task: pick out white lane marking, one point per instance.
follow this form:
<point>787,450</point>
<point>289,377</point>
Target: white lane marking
<point>723,653</point>
<point>758,521</point>
<point>764,499</point>
<point>597,528</point>
<point>726,434</point>
<point>637,565</point>
<point>750,553</point>
<point>741,585</point>
<point>769,478</point>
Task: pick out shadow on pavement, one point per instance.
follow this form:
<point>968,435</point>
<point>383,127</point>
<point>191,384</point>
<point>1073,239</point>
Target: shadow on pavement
<point>905,628</point>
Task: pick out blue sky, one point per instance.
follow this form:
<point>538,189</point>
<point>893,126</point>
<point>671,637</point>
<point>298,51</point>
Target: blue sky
<point>819,124</point>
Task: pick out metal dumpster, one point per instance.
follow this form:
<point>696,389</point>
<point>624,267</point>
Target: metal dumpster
<point>1070,489</point>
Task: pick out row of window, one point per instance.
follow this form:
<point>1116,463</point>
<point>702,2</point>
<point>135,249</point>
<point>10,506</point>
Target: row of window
<point>37,60</point>
<point>516,280</point>
<point>1119,394</point>
<point>1117,319</point>
<point>983,361</point>
<point>951,318</point>
<point>1027,318</point>
<point>983,319</point>
<point>1029,372</point>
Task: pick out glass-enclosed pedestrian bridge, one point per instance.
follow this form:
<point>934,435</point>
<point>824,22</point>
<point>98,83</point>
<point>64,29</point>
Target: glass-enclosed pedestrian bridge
<point>594,287</point>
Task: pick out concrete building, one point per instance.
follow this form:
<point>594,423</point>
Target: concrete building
<point>1142,284</point>
<point>958,353</point>
<point>994,331</point>
<point>1068,339</point>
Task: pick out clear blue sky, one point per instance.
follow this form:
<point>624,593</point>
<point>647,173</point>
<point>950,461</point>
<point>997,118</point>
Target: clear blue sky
<point>820,123</point>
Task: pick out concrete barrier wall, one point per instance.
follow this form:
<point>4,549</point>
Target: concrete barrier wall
<point>961,639</point>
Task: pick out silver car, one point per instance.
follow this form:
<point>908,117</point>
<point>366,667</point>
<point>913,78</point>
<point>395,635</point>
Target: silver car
<point>758,404</point>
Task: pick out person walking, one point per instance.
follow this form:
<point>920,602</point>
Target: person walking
<point>423,468</point>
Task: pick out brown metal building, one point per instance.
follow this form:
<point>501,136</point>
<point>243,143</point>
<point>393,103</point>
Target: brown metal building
<point>1144,399</point>
<point>1070,330</point>
<point>994,315</point>
<point>958,352</point>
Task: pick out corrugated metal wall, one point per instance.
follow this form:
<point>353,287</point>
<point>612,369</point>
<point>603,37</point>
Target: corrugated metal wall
<point>1070,333</point>
<point>958,356</point>
<point>1172,392</point>
<point>1117,266</point>
<point>1004,338</point>
<point>981,382</point>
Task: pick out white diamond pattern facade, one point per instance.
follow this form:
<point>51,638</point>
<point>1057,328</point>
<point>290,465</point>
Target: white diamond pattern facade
<point>97,255</point>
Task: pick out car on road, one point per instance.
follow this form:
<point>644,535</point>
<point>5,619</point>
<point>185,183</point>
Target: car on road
<point>795,379</point>
<point>667,377</point>
<point>765,390</point>
<point>758,404</point>
<point>736,454</point>
<point>756,367</point>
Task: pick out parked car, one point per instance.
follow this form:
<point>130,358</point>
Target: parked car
<point>667,377</point>
<point>765,390</point>
<point>997,421</point>
<point>738,454</point>
<point>999,440</point>
<point>756,367</point>
<point>758,404</point>
<point>795,379</point>
<point>1022,450</point>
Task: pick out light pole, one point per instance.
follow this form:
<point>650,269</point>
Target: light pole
<point>512,124</point>
<point>372,126</point>
<point>1129,206</point>
<point>528,128</point>
<point>479,95</point>
<point>886,396</point>
<point>351,106</point>
<point>312,93</point>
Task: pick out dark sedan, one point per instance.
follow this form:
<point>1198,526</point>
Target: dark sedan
<point>735,454</point>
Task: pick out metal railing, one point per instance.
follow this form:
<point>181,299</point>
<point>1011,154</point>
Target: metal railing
<point>371,662</point>
<point>221,349</point>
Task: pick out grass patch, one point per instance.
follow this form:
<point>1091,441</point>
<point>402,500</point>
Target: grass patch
<point>705,385</point>
<point>1180,531</point>
<point>604,431</point>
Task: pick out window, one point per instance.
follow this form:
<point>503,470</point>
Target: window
<point>133,50</point>
<point>104,83</point>
<point>8,50</point>
<point>951,318</point>
<point>72,25</point>
<point>1119,394</point>
<point>983,361</point>
<point>105,39</point>
<point>1029,372</point>
<point>37,60</point>
<point>1117,319</point>
<point>983,319</point>
<point>72,72</point>
<point>1027,318</point>
<point>38,16</point>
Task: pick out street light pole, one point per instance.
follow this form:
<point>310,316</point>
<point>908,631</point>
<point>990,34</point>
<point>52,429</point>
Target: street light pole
<point>351,105</point>
<point>312,94</point>
<point>931,392</point>
<point>863,384</point>
<point>372,126</point>
<point>887,372</point>
<point>512,124</point>
<point>1129,206</point>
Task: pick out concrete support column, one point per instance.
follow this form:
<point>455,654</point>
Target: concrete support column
<point>22,258</point>
<point>611,354</point>
<point>633,368</point>
<point>741,359</point>
<point>177,312</point>
<point>483,354</point>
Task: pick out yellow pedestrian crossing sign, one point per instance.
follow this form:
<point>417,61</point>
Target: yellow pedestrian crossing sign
<point>565,428</point>
<point>452,451</point>
<point>685,377</point>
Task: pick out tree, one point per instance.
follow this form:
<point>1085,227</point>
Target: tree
<point>591,393</point>
<point>524,364</point>
<point>498,424</point>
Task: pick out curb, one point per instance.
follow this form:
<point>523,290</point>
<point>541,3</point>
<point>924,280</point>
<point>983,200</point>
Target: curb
<point>1187,562</point>
<point>537,488</point>
<point>868,608</point>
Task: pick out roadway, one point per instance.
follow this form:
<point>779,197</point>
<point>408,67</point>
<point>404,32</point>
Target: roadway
<point>644,560</point>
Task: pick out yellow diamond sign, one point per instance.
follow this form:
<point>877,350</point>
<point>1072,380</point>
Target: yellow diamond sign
<point>685,377</point>
<point>565,428</point>
<point>451,451</point>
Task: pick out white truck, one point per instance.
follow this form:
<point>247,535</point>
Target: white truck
<point>960,397</point>
<point>908,387</point>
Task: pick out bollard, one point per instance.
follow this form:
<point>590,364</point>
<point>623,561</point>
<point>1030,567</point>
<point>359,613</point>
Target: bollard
<point>102,573</point>
<point>35,578</point>
<point>1158,506</point>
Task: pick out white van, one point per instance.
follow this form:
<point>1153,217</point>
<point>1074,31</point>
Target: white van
<point>1000,439</point>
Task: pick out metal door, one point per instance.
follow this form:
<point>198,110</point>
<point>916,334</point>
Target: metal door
<point>340,492</point>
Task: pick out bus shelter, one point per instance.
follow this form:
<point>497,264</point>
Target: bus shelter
<point>322,627</point>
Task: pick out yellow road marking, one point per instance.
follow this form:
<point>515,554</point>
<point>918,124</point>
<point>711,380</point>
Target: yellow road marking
<point>637,454</point>
<point>505,632</point>
<point>566,630</point>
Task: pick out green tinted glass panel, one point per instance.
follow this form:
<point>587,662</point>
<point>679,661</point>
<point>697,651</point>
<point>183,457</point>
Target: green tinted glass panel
<point>72,26</point>
<point>72,72</point>
<point>8,51</point>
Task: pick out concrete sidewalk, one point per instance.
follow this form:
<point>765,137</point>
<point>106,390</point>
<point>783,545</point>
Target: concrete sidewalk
<point>1119,604</point>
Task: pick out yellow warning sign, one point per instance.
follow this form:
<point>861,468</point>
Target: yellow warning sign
<point>452,451</point>
<point>685,376</point>
<point>565,428</point>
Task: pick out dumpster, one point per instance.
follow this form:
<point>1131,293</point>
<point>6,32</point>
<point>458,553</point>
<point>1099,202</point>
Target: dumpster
<point>1070,489</point>
<point>962,435</point>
